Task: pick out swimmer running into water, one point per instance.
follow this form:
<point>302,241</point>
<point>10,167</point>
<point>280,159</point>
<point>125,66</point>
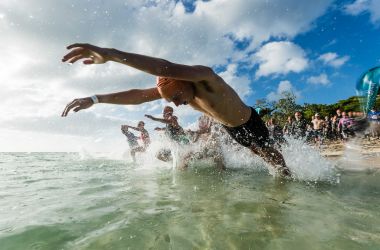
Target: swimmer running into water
<point>198,86</point>
<point>173,131</point>
<point>132,139</point>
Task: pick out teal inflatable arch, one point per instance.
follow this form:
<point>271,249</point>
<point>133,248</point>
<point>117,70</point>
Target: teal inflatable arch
<point>367,88</point>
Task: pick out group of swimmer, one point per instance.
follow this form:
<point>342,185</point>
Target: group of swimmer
<point>206,139</point>
<point>195,85</point>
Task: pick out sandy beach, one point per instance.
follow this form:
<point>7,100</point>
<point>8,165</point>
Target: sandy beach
<point>358,153</point>
<point>337,148</point>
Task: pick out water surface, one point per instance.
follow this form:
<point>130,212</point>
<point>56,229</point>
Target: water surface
<point>65,201</point>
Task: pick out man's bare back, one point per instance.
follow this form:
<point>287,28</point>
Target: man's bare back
<point>221,102</point>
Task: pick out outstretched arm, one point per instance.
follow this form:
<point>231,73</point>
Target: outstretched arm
<point>159,129</point>
<point>158,119</point>
<point>135,128</point>
<point>152,65</point>
<point>130,97</point>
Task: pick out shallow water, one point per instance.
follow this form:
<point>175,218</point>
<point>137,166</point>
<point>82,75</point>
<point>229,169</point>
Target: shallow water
<point>65,201</point>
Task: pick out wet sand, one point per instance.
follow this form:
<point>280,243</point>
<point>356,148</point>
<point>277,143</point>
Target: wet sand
<point>359,152</point>
<point>337,148</point>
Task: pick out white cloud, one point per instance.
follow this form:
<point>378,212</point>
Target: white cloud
<point>320,79</point>
<point>333,60</point>
<point>283,86</point>
<point>360,6</point>
<point>280,58</point>
<point>261,20</point>
<point>36,86</point>
<point>241,84</point>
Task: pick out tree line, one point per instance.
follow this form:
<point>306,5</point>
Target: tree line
<point>287,106</point>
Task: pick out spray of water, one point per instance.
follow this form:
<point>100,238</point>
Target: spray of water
<point>304,161</point>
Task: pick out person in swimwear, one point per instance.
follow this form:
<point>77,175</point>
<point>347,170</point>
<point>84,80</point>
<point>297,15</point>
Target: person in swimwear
<point>132,139</point>
<point>204,129</point>
<point>173,131</point>
<point>198,86</point>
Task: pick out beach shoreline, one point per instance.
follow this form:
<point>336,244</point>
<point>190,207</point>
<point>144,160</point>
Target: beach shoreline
<point>364,145</point>
<point>358,153</point>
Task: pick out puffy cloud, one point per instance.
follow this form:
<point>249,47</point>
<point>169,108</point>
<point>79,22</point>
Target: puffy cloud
<point>283,87</point>
<point>280,58</point>
<point>332,59</point>
<point>241,84</point>
<point>360,6</point>
<point>320,79</point>
<point>261,20</point>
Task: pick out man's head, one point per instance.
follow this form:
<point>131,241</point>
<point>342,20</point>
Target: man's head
<point>338,112</point>
<point>317,116</point>
<point>298,115</point>
<point>141,124</point>
<point>177,91</point>
<point>167,112</point>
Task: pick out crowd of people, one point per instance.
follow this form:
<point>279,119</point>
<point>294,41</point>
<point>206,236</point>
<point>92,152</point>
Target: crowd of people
<point>340,126</point>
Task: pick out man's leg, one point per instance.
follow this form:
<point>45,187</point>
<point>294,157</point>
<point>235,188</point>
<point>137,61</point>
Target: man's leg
<point>133,153</point>
<point>273,157</point>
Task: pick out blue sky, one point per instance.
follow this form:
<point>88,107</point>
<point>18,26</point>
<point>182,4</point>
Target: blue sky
<point>317,49</point>
<point>353,37</point>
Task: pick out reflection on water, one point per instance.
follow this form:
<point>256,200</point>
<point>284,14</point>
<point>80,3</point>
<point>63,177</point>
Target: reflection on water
<point>63,201</point>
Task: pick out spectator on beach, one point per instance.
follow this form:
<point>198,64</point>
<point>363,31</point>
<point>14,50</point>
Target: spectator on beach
<point>327,131</point>
<point>338,117</point>
<point>309,135</point>
<point>318,124</point>
<point>334,127</point>
<point>298,129</point>
<point>374,115</point>
<point>344,126</point>
<point>287,129</point>
<point>374,123</point>
<point>339,114</point>
<point>132,139</point>
<point>275,131</point>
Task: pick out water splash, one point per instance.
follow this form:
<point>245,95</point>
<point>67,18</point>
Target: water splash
<point>306,163</point>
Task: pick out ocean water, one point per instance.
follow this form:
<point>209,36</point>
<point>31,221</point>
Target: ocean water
<point>77,201</point>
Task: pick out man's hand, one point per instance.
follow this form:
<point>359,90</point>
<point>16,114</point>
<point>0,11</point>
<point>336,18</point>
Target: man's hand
<point>92,54</point>
<point>78,104</point>
<point>149,116</point>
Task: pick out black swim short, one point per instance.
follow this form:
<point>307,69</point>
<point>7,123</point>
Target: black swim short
<point>252,133</point>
